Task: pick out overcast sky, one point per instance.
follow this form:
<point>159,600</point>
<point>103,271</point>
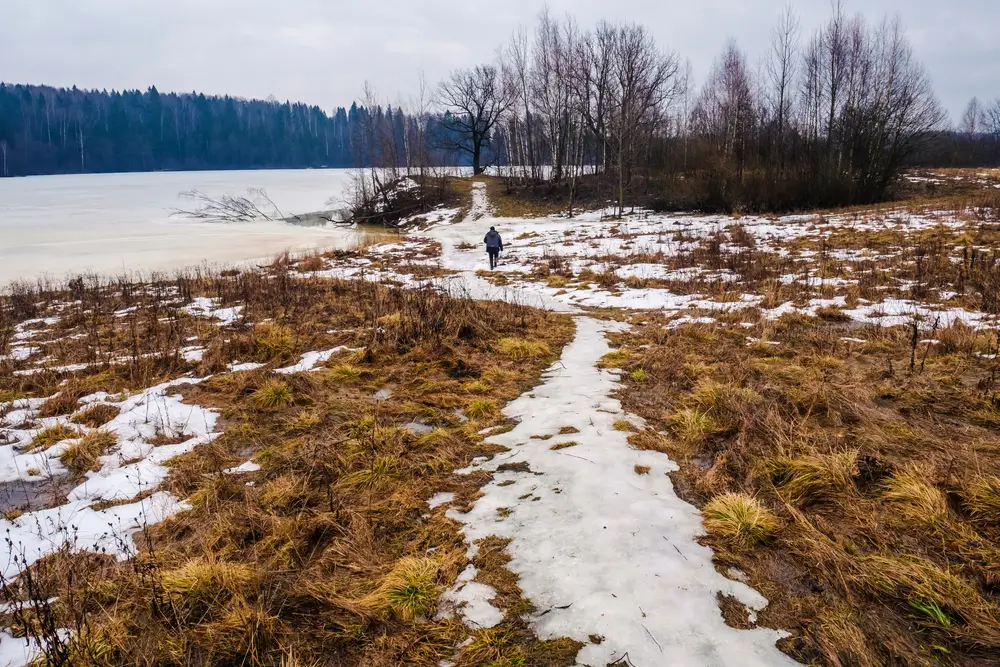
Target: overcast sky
<point>322,51</point>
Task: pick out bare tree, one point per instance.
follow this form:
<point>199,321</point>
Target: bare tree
<point>643,81</point>
<point>517,67</point>
<point>474,101</point>
<point>727,109</point>
<point>991,119</point>
<point>972,119</point>
<point>780,68</point>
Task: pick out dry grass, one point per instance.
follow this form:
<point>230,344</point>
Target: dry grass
<point>815,476</point>
<point>83,454</point>
<point>983,500</point>
<point>740,518</point>
<point>272,341</point>
<point>410,590</point>
<point>517,348</point>
<point>52,435</point>
<point>273,396</point>
<point>63,403</point>
<point>916,501</point>
<point>96,415</point>
<point>326,553</point>
<point>884,480</point>
<point>480,409</point>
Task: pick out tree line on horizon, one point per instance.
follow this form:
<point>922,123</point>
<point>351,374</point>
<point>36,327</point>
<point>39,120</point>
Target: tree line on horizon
<point>826,119</point>
<point>46,130</point>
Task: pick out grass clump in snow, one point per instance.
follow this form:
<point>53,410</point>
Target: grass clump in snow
<point>740,518</point>
<point>52,435</point>
<point>96,415</point>
<point>83,454</point>
<point>519,348</point>
<point>63,403</point>
<point>564,445</point>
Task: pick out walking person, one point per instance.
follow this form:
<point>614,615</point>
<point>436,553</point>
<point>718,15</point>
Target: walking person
<point>494,245</point>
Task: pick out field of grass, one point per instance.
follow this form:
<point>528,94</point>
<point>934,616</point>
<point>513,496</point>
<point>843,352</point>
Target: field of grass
<point>328,552</point>
<point>852,478</point>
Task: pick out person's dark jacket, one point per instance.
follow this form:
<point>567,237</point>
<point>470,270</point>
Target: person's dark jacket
<point>493,240</point>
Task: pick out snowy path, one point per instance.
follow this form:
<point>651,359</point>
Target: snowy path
<point>600,549</point>
<point>480,205</point>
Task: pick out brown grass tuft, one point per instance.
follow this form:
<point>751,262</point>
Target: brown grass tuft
<point>519,348</point>
<point>52,435</point>
<point>740,518</point>
<point>915,501</point>
<point>273,396</point>
<point>82,455</point>
<point>814,476</point>
<point>96,415</point>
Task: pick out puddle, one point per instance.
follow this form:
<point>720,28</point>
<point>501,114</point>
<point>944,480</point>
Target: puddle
<point>29,496</point>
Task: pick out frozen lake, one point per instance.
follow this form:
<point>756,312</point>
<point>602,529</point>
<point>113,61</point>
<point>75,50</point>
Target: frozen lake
<point>63,225</point>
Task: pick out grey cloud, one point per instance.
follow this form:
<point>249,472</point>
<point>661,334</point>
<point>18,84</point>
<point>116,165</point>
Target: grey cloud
<point>322,52</point>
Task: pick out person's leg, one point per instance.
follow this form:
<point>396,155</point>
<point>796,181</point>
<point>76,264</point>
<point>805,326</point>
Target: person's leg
<point>493,260</point>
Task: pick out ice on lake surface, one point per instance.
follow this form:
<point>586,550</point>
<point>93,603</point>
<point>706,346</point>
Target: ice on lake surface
<point>62,225</point>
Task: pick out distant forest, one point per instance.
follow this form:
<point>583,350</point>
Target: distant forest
<point>46,130</point>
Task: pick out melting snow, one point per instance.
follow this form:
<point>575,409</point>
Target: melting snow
<point>471,600</point>
<point>310,359</point>
<point>604,551</point>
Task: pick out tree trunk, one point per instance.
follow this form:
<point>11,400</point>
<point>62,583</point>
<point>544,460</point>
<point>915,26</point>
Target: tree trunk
<point>477,157</point>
